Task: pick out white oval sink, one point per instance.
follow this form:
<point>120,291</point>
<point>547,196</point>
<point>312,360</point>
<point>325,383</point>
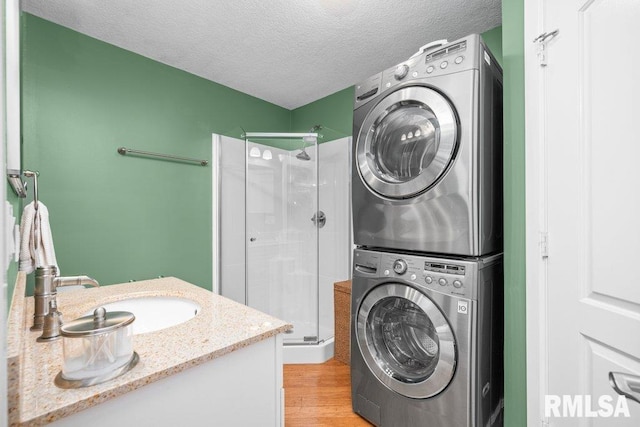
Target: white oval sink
<point>155,313</point>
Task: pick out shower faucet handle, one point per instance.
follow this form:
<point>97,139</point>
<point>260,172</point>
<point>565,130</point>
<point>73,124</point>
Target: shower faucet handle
<point>319,219</point>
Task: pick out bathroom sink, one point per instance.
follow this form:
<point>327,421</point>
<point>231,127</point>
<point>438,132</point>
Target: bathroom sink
<point>155,313</point>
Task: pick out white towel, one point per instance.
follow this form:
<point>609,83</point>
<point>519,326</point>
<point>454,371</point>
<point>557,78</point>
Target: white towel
<point>36,243</point>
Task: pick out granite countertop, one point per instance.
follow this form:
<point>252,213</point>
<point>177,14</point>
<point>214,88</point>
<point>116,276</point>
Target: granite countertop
<point>220,327</point>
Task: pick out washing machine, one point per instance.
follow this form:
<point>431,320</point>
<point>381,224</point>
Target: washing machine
<point>426,347</point>
<point>427,153</point>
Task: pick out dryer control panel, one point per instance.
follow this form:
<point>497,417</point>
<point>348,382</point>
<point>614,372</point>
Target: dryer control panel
<point>464,54</point>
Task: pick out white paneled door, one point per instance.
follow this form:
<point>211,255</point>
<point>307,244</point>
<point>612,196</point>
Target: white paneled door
<point>583,207</point>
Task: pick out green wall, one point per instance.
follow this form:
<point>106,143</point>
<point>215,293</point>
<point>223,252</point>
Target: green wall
<point>493,39</point>
<point>118,218</point>
<point>514,216</point>
<point>334,112</point>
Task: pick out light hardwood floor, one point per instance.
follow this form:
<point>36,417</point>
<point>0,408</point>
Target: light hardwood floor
<point>319,395</point>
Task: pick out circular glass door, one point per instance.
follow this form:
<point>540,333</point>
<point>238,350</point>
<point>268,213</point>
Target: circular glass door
<point>406,341</point>
<point>406,142</point>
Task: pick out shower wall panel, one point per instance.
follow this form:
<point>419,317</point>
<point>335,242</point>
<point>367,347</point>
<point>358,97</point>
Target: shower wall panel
<point>335,250</point>
<point>232,213</point>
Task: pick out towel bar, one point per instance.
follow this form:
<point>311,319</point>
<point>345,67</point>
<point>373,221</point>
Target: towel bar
<point>124,150</point>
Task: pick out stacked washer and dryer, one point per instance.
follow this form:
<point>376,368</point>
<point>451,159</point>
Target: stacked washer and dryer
<point>427,292</point>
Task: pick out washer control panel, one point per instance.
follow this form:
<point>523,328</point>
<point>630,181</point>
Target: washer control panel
<point>446,275</point>
<point>460,277</point>
<point>450,276</point>
<point>438,267</point>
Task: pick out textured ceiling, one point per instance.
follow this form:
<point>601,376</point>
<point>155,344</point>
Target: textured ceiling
<point>288,52</point>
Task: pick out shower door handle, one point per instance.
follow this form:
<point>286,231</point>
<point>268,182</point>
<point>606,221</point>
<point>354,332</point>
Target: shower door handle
<point>252,239</point>
<point>319,219</point>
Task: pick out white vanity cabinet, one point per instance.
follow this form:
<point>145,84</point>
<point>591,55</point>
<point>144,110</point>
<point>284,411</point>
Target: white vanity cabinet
<point>242,388</point>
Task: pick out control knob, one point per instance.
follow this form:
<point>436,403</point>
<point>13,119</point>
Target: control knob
<point>401,72</point>
<point>400,266</point>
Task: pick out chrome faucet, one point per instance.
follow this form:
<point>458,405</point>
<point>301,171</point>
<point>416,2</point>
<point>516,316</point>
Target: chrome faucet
<point>46,290</point>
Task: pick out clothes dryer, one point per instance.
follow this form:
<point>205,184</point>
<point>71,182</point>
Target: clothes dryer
<point>427,160</point>
<point>426,347</point>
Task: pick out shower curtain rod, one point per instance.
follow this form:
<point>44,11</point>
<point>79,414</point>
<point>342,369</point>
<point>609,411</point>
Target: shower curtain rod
<point>278,135</point>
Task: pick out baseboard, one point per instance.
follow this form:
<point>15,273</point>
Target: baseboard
<point>305,353</point>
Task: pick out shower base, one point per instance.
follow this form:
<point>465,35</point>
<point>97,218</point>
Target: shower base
<point>295,354</point>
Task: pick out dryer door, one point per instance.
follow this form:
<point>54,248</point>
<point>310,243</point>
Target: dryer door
<point>406,142</point>
<point>406,341</point>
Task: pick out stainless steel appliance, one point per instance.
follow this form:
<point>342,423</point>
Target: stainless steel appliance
<point>426,347</point>
<point>427,171</point>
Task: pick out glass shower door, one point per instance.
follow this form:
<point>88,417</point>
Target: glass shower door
<point>281,231</point>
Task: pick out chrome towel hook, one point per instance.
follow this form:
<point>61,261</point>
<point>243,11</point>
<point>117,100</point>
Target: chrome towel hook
<point>34,175</point>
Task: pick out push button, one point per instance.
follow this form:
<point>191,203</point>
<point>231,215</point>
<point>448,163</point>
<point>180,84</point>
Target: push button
<point>429,280</point>
<point>430,69</point>
<point>457,283</point>
<point>444,64</point>
<point>459,59</point>
<point>442,282</point>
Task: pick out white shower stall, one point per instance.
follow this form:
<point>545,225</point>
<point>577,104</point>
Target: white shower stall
<point>282,233</point>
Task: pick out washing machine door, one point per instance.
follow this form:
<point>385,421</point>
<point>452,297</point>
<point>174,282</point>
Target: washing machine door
<point>406,341</point>
<point>407,142</point>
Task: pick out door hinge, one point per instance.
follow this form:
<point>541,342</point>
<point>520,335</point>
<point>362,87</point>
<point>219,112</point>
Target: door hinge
<point>544,244</point>
<point>542,40</point>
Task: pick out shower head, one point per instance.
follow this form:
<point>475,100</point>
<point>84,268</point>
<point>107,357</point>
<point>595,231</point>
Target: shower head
<point>303,155</point>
